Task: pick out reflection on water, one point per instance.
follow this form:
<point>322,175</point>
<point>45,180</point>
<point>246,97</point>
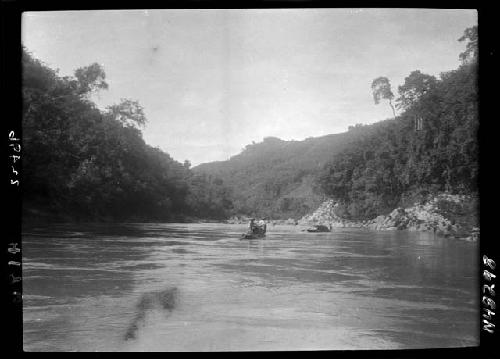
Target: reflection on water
<point>161,287</point>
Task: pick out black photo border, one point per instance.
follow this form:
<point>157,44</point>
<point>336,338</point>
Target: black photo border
<point>10,50</point>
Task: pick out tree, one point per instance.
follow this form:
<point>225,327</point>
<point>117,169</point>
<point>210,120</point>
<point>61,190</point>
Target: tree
<point>471,37</point>
<point>381,88</point>
<point>90,78</point>
<point>130,113</point>
<point>416,85</point>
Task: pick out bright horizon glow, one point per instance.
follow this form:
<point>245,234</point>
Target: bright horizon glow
<point>213,81</point>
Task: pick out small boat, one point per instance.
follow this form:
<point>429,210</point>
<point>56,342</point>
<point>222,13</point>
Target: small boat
<point>255,231</point>
<point>319,228</point>
<point>252,235</point>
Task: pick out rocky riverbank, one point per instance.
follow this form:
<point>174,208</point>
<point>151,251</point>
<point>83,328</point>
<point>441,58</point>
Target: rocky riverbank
<point>445,214</point>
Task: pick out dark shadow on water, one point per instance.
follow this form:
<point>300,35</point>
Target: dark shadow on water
<point>96,230</point>
<point>181,251</point>
<point>164,300</point>
<point>175,243</point>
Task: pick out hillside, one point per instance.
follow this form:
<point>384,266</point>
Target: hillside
<point>277,178</point>
<point>431,148</point>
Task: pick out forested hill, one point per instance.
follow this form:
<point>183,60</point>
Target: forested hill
<point>275,178</point>
<point>431,146</point>
<point>83,163</point>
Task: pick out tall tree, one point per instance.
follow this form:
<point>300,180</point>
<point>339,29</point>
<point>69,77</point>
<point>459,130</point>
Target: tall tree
<point>381,88</point>
<point>416,85</point>
<point>90,78</point>
<point>471,37</point>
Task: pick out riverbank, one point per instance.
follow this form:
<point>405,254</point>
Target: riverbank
<point>445,214</point>
<point>448,215</point>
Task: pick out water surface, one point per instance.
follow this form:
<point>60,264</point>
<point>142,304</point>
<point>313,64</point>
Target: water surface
<point>196,287</point>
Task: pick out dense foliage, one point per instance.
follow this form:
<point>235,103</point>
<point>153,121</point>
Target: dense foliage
<point>432,146</point>
<point>82,162</point>
<point>276,178</point>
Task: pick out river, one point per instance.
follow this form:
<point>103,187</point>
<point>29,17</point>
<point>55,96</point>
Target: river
<point>197,287</point>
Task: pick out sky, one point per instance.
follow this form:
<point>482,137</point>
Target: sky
<point>213,81</point>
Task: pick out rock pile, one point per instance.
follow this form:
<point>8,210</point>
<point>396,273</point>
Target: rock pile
<point>324,215</point>
<point>416,218</point>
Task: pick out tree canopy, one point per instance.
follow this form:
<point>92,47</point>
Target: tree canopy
<point>90,78</point>
<point>415,86</point>
<point>470,36</point>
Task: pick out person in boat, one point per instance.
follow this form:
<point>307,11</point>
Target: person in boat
<point>251,225</point>
<point>262,225</point>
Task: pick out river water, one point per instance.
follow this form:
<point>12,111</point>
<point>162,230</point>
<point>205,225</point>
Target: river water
<point>197,287</point>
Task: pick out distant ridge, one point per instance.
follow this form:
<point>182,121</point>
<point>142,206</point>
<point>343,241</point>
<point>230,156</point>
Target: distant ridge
<point>276,178</point>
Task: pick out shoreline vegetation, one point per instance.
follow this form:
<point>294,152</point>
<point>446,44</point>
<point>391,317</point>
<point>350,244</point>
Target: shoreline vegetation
<point>416,172</point>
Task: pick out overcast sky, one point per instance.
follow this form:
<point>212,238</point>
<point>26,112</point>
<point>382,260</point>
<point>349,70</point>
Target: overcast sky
<point>213,81</point>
